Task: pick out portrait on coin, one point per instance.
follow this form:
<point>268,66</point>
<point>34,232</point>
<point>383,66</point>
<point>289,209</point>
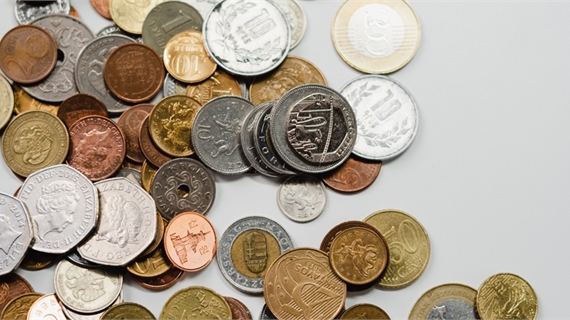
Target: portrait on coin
<point>124,225</point>
<point>56,208</point>
<point>7,235</point>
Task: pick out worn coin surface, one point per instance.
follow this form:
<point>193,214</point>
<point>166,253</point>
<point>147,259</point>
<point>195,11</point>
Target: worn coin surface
<point>248,145</point>
<point>376,36</point>
<point>12,285</point>
<point>34,140</point>
<point>161,282</point>
<point>196,302</point>
<point>186,59</point>
<point>127,223</point>
<point>16,233</point>
<point>448,301</point>
<point>18,307</point>
<point>219,84</point>
<point>247,248</point>
<point>129,15</point>
<point>247,37</point>
<point>302,198</point>
<point>152,266</point>
<point>408,244</point>
<point>28,11</point>
<point>295,271</point>
<point>128,311</point>
<point>78,106</point>
<point>353,175</point>
<point>182,185</point>
<point>130,123</point>
<point>47,307</point>
<point>152,154</point>
<point>506,296</point>
<point>23,102</point>
<point>364,311</point>
<point>239,310</point>
<point>295,18</point>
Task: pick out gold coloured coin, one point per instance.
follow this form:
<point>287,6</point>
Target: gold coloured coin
<point>364,311</point>
<point>129,15</point>
<point>34,140</point>
<point>196,303</point>
<point>408,244</point>
<point>154,265</point>
<point>186,59</point>
<point>17,308</point>
<point>254,264</point>
<point>506,296</point>
<point>158,238</point>
<point>376,36</point>
<point>147,173</point>
<point>127,311</point>
<point>23,102</point>
<point>457,301</point>
<point>219,84</point>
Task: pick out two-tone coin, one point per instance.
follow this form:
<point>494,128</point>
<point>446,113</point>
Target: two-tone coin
<point>455,301</point>
<point>302,198</point>
<point>16,233</point>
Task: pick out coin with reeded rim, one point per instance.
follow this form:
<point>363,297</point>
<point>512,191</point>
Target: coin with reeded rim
<point>23,102</point>
<point>130,123</point>
<point>196,302</point>
<point>219,84</point>
<point>86,290</point>
<point>79,106</point>
<point>147,173</point>
<point>247,249</point>
<point>115,30</point>
<point>456,301</point>
<point>127,223</point>
<point>302,198</point>
<point>134,72</point>
<point>16,233</point>
<point>376,36</point>
<point>46,307</point>
<point>152,266</point>
<point>130,15</point>
<point>28,11</point>
<point>305,270</point>
<point>295,18</point>
<point>154,156</point>
<point>17,308</point>
<point>12,285</point>
<point>182,185</point>
<point>239,310</point>
<point>506,296</point>
<point>128,311</point>
<point>161,282</point>
<point>353,175</point>
<point>186,59</point>
<point>36,260</point>
<point>97,147</point>
<point>27,54</point>
<point>408,244</point>
<point>34,140</point>
<point>364,311</point>
<point>102,8</point>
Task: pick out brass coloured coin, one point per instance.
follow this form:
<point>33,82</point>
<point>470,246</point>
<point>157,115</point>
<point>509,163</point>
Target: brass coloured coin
<point>129,15</point>
<point>23,102</point>
<point>364,311</point>
<point>220,83</point>
<point>18,307</point>
<point>127,311</point>
<point>196,302</point>
<point>186,59</point>
<point>6,102</point>
<point>506,296</point>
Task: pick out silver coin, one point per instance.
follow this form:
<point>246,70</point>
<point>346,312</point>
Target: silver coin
<point>127,223</point>
<point>453,309</point>
<point>27,11</point>
<point>74,257</point>
<point>71,36</point>
<point>257,235</point>
<point>115,30</point>
<point>89,71</point>
<point>86,290</point>
<point>130,173</point>
<point>172,86</point>
<point>15,232</point>
<point>247,37</point>
<point>183,185</point>
<point>386,116</point>
<point>296,19</point>
<point>244,87</point>
<point>216,131</point>
<point>203,6</point>
<point>72,315</point>
<point>302,198</point>
<point>266,314</point>
<point>313,128</point>
<point>63,206</point>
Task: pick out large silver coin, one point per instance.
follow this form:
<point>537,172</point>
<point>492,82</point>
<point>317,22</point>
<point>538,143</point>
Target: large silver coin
<point>313,128</point>
<point>71,36</point>
<point>247,249</point>
<point>27,11</point>
<point>172,86</point>
<point>63,206</point>
<point>127,223</point>
<point>15,232</point>
<point>386,115</point>
<point>296,19</point>
<point>203,6</point>
<point>302,198</point>
<point>247,37</point>
<point>183,185</point>
<point>216,134</point>
<point>115,30</point>
<point>89,70</point>
<point>86,290</point>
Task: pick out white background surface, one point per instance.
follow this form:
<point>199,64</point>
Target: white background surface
<point>487,176</point>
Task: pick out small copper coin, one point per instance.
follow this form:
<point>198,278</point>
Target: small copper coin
<point>154,155</point>
<point>190,241</point>
<point>97,147</point>
<point>364,311</point>
<point>239,310</point>
<point>161,282</point>
<point>130,122</point>
<point>28,54</point>
<point>353,175</point>
<point>78,106</point>
<point>186,59</point>
<point>17,308</point>
<point>47,307</point>
<point>12,285</point>
<point>35,260</point>
<point>134,72</point>
<point>102,8</point>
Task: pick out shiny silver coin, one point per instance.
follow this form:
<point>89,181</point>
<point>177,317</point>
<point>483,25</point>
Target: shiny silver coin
<point>115,30</point>
<point>302,198</point>
<point>27,11</point>
<point>247,37</point>
<point>127,223</point>
<point>130,173</point>
<point>313,128</point>
<point>203,6</point>
<point>86,290</point>
<point>262,240</point>
<point>71,36</point>
<point>89,71</point>
<point>15,232</point>
<point>183,185</point>
<point>73,315</point>
<point>63,206</point>
<point>295,17</point>
<point>216,134</point>
<point>172,86</point>
<point>386,116</point>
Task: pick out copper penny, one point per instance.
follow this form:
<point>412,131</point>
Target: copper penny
<point>97,147</point>
<point>28,54</point>
<point>353,175</point>
<point>12,285</point>
<point>78,106</point>
<point>130,122</point>
<point>190,241</point>
<point>102,8</point>
<point>134,72</point>
<point>154,155</point>
<point>239,310</point>
<point>161,282</point>
<point>47,307</point>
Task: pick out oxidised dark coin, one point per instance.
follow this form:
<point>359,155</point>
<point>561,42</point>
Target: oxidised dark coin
<point>73,256</point>
<point>130,122</point>
<point>150,151</point>
<point>78,106</point>
<point>11,286</point>
<point>161,282</point>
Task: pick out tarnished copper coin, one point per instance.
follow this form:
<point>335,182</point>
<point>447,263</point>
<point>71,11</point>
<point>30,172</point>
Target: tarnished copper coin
<point>154,155</point>
<point>28,54</point>
<point>239,310</point>
<point>23,102</point>
<point>12,285</point>
<point>97,147</point>
<point>17,308</point>
<point>134,72</point>
<point>102,8</point>
<point>78,106</point>
<point>130,122</point>
<point>161,282</point>
<point>353,175</point>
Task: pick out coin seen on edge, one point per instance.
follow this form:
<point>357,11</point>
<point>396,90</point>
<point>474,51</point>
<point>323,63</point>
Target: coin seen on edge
<point>130,123</point>
<point>506,296</point>
<point>455,301</point>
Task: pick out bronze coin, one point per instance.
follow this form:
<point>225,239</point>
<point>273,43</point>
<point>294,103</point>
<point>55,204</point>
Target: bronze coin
<point>130,122</point>
<point>28,54</point>
<point>12,285</point>
<point>78,106</point>
<point>134,72</point>
<point>35,260</point>
<point>102,8</point>
<point>154,155</point>
<point>73,12</point>
<point>239,310</point>
<point>161,282</point>
<point>329,237</point>
<point>97,147</point>
<point>353,175</point>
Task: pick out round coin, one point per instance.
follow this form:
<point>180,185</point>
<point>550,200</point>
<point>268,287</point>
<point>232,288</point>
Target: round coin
<point>247,248</point>
<point>16,232</point>
<point>457,301</point>
<point>204,303</point>
<point>302,198</point>
<point>130,123</point>
<point>17,308</point>
<point>506,296</point>
<point>46,307</point>
<point>79,106</point>
<point>28,11</point>
<point>153,156</point>
<point>152,266</point>
<point>353,175</point>
<point>186,59</point>
<point>160,225</point>
<point>128,311</point>
<point>12,285</point>
<point>219,84</point>
<point>203,6</point>
<point>376,36</point>
<point>365,311</point>
<point>73,315</point>
<point>239,310</point>
<point>115,30</point>
<point>74,257</point>
<point>336,230</point>
<point>23,102</point>
<point>161,282</point>
<point>130,15</point>
<point>295,18</point>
